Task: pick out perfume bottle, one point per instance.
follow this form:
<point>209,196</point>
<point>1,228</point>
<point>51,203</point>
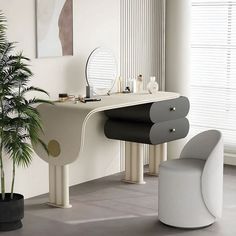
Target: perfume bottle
<point>152,86</point>
<point>131,84</point>
<point>119,85</point>
<point>139,84</point>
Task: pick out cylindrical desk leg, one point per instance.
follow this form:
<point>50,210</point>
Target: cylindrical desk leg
<point>52,184</point>
<point>127,161</point>
<point>140,164</point>
<point>65,186</point>
<point>157,154</point>
<point>134,163</point>
<point>163,152</point>
<point>59,186</point>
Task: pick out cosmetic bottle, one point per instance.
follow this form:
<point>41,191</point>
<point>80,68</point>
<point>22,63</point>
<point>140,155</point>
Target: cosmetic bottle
<point>131,84</point>
<point>152,86</point>
<point>119,85</point>
<point>139,84</point>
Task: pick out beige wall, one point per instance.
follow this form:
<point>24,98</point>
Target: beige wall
<point>96,23</point>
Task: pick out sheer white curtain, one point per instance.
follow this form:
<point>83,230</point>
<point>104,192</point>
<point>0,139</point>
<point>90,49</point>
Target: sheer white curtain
<point>213,84</point>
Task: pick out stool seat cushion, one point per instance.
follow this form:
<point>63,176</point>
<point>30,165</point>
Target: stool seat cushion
<point>185,166</point>
<point>180,198</point>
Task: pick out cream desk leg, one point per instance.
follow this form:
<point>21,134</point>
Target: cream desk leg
<point>59,186</point>
<point>133,163</point>
<point>157,154</point>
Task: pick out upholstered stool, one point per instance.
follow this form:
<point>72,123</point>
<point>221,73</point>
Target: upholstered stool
<point>190,188</point>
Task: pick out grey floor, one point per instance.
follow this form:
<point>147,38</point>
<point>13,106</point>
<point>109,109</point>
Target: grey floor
<point>110,207</point>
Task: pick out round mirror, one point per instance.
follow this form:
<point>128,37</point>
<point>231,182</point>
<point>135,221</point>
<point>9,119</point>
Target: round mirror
<point>101,71</point>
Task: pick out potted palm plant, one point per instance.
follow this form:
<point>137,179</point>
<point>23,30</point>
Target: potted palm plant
<point>20,125</point>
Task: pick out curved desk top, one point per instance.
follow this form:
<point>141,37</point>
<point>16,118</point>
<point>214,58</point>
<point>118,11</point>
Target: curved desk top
<point>66,122</point>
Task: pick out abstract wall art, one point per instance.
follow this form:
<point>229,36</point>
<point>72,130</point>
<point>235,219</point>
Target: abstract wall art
<point>54,28</point>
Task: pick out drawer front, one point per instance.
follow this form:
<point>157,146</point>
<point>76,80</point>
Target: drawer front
<point>138,113</point>
<point>128,131</point>
<point>152,112</point>
<point>169,131</point>
<point>169,109</point>
<point>148,133</point>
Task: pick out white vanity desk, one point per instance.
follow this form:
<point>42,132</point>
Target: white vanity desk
<point>65,130</point>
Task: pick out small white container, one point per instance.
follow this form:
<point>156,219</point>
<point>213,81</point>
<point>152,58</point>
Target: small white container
<point>152,86</point>
<point>139,84</point>
<point>119,85</point>
<point>131,84</point>
<point>135,86</point>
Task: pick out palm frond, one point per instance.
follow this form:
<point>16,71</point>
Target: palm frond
<point>5,50</point>
<point>23,154</point>
<point>45,147</point>
<point>37,101</point>
<point>18,149</point>
<point>3,28</point>
<point>33,89</point>
<point>30,112</point>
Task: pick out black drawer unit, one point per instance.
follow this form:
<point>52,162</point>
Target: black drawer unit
<point>152,123</point>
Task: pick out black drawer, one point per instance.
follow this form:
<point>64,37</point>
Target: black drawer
<point>169,110</point>
<point>152,112</point>
<point>169,130</point>
<point>149,133</point>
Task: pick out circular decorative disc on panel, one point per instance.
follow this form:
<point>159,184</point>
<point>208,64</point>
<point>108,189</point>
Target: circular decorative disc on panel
<point>54,148</point>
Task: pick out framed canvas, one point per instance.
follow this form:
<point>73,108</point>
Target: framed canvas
<point>54,19</point>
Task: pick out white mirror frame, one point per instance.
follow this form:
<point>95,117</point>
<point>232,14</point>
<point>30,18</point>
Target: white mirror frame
<point>101,70</point>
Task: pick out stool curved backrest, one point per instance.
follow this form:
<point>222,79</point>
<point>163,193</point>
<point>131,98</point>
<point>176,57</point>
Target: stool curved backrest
<point>208,146</point>
<point>201,145</point>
